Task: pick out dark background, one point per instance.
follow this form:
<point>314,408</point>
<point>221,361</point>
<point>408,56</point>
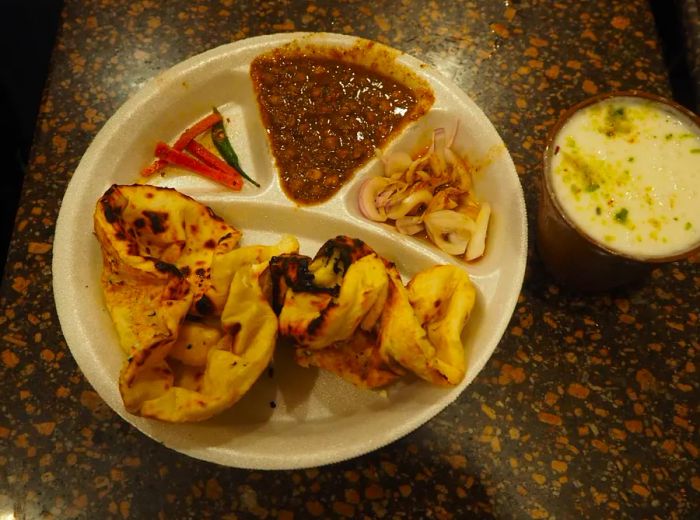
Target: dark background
<point>28,30</point>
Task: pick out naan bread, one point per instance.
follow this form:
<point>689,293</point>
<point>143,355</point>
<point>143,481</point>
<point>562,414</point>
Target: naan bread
<point>148,231</point>
<point>421,325</point>
<point>165,257</point>
<point>348,312</point>
<point>346,280</point>
<point>356,360</point>
<point>199,318</point>
<point>232,365</point>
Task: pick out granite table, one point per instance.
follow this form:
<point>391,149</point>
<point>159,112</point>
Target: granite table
<point>588,407</point>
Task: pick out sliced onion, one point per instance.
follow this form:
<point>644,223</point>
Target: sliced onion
<point>437,158</point>
<point>449,230</point>
<point>451,140</point>
<point>409,203</point>
<point>422,176</point>
<point>418,163</point>
<point>460,171</point>
<point>443,199</point>
<point>368,195</point>
<point>432,192</point>
<point>477,243</point>
<point>391,194</point>
<point>410,225</point>
<point>396,163</point>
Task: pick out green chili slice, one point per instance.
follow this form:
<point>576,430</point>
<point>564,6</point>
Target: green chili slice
<point>224,147</point>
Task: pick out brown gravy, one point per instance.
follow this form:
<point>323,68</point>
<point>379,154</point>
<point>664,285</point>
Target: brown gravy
<point>325,117</point>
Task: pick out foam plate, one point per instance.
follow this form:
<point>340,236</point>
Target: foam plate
<point>318,418</point>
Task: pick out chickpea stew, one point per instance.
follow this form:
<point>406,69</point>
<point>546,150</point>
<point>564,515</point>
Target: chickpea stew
<point>327,110</point>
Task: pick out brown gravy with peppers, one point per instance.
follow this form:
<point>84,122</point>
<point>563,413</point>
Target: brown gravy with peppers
<point>325,117</point>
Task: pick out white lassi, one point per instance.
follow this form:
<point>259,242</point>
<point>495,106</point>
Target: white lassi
<point>626,172</point>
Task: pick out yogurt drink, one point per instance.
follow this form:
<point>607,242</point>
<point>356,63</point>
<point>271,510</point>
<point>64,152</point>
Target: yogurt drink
<point>625,171</point>
<point>621,190</point>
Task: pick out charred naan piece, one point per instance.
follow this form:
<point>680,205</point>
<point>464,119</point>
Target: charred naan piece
<point>225,265</point>
<point>213,363</point>
<point>210,367</point>
<point>199,318</point>
<point>442,298</point>
<point>157,248</point>
<point>421,326</point>
<point>326,300</point>
<point>356,360</point>
<point>194,341</point>
<point>347,311</point>
<point>232,366</point>
<point>143,229</point>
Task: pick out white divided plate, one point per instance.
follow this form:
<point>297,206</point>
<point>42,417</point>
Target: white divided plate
<point>318,418</point>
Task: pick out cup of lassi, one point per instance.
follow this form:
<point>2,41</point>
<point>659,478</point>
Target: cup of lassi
<point>620,190</point>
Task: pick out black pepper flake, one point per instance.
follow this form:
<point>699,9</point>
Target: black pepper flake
<point>270,371</point>
<point>273,404</point>
<point>556,150</point>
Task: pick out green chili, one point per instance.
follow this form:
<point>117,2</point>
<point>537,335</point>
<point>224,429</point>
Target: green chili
<point>224,147</point>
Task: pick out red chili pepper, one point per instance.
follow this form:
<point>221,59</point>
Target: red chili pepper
<point>153,168</point>
<point>208,158</point>
<point>198,128</point>
<point>177,158</point>
<point>185,138</point>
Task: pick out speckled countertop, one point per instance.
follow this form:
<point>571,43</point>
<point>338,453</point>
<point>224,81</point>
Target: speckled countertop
<point>587,409</point>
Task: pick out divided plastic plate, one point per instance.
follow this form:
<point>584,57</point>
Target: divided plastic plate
<point>318,418</point>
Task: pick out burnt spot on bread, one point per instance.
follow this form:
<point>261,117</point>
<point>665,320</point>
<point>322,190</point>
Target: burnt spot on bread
<point>204,306</point>
<point>165,267</point>
<point>157,220</point>
<point>291,271</point>
<point>139,223</point>
<point>318,322</point>
<point>111,213</point>
<point>210,244</point>
<point>214,215</point>
<point>342,251</point>
<point>225,237</point>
